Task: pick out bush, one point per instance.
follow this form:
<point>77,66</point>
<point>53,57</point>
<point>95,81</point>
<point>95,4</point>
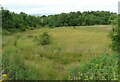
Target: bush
<point>14,68</point>
<point>115,41</point>
<point>5,32</point>
<point>23,29</point>
<point>115,36</point>
<point>45,39</point>
<point>31,28</point>
<point>104,67</point>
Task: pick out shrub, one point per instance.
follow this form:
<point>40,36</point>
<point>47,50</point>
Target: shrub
<point>5,32</point>
<point>104,67</point>
<point>44,39</point>
<point>31,28</point>
<point>115,36</point>
<point>14,67</point>
<point>23,29</point>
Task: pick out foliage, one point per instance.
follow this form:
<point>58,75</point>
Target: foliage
<point>69,47</point>
<point>113,19</point>
<point>115,36</point>
<point>78,18</point>
<point>12,21</point>
<point>44,39</point>
<point>15,67</point>
<point>118,34</point>
<point>104,67</point>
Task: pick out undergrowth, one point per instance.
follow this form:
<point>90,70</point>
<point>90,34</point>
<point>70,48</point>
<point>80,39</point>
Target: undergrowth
<point>104,67</point>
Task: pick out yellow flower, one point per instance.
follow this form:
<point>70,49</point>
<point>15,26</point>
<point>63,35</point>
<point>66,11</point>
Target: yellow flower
<point>4,75</point>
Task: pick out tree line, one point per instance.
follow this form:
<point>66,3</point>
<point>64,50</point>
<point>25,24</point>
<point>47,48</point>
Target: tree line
<point>22,21</point>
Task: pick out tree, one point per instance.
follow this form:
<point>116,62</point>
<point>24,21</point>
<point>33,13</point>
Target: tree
<point>7,19</point>
<point>113,19</point>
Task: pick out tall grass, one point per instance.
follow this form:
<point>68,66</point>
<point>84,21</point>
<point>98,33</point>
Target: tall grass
<point>68,48</point>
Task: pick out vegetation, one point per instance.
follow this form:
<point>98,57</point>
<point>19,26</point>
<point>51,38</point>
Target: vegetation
<point>115,35</point>
<point>23,58</point>
<point>13,22</point>
<point>45,39</point>
<point>78,50</point>
<point>118,34</point>
<point>104,67</point>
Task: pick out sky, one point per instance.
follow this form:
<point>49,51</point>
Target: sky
<point>59,6</point>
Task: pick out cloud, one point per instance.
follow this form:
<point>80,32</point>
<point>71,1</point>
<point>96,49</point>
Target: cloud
<point>58,6</point>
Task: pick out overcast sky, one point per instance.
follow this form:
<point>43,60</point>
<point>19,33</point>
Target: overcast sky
<point>59,6</point>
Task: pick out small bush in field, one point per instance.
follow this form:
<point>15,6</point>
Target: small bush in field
<point>44,39</point>
<point>23,29</point>
<point>31,28</point>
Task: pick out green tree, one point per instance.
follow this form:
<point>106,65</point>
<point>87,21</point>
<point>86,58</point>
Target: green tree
<point>113,19</point>
<point>7,22</point>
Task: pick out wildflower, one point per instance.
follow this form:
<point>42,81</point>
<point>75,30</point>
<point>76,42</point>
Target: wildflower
<point>4,75</point>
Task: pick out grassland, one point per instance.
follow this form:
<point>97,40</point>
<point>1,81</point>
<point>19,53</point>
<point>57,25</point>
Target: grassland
<point>70,47</point>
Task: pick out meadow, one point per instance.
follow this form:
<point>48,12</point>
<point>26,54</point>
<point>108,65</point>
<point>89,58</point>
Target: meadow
<point>70,48</point>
